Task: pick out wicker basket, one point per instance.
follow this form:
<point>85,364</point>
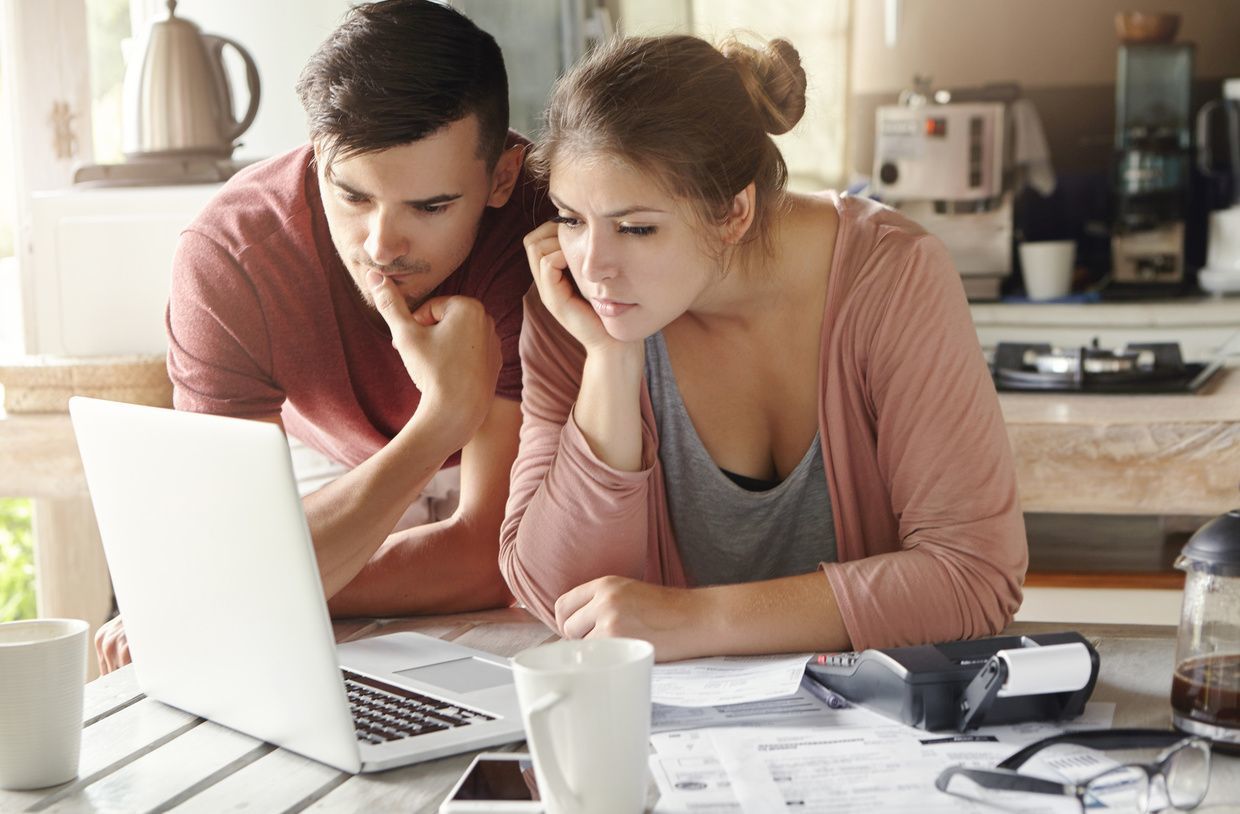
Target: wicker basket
<point>44,384</point>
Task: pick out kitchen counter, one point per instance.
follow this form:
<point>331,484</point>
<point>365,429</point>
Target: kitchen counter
<point>1201,326</point>
<point>1129,454</point>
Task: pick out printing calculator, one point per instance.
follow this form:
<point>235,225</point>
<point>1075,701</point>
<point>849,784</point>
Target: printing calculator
<point>960,685</point>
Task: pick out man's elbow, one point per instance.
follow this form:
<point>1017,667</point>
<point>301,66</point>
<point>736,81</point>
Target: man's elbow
<point>478,536</point>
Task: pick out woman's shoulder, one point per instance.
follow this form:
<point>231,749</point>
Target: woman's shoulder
<point>867,225</point>
<point>876,245</point>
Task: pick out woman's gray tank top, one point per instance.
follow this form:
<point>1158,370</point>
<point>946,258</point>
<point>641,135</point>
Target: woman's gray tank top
<point>725,533</point>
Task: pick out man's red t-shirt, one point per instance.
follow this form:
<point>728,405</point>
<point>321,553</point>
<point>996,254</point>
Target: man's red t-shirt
<point>263,318</point>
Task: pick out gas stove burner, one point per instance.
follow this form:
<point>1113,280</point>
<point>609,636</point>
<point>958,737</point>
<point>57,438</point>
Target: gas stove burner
<point>1144,368</point>
<point>1090,360</point>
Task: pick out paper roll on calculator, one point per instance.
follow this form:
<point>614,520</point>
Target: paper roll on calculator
<point>1052,668</point>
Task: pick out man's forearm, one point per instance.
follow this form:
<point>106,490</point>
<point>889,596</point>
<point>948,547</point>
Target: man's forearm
<point>445,567</point>
<point>353,515</point>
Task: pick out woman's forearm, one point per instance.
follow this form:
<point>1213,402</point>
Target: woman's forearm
<point>785,615</point>
<point>608,408</point>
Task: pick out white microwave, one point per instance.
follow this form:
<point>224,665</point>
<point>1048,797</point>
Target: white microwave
<point>100,266</point>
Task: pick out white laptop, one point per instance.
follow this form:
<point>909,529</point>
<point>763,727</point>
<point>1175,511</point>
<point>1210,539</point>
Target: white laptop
<point>217,582</point>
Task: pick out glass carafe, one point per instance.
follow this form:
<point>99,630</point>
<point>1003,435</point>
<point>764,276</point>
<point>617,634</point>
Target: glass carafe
<point>1205,689</point>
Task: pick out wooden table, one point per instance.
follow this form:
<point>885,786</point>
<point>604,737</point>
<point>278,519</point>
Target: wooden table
<point>139,755</point>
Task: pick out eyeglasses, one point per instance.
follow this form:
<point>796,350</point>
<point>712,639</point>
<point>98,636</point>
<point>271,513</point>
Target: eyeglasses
<point>1178,778</point>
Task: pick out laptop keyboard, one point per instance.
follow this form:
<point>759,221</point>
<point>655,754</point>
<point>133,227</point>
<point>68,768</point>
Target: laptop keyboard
<point>384,712</point>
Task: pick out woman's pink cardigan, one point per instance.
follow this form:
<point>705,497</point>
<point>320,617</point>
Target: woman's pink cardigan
<point>929,534</point>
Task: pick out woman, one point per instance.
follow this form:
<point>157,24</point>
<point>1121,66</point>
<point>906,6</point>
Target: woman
<point>754,421</point>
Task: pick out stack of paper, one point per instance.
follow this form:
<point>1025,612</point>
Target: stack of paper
<point>753,735</point>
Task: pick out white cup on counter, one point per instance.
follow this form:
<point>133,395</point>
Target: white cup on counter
<point>42,680</point>
<point>585,704</point>
<point>1223,248</point>
<point>1047,268</point>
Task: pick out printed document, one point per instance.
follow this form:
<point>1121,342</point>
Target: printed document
<point>726,680</point>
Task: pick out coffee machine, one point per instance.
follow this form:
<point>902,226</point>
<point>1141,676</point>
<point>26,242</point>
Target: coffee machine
<point>1152,160</point>
<point>944,165</point>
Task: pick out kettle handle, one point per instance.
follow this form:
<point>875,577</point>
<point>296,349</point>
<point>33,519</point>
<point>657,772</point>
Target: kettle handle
<point>215,47</point>
<point>1231,110</point>
<point>1204,158</point>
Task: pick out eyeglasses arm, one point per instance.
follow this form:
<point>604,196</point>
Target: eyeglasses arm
<point>1096,739</point>
<point>1002,781</point>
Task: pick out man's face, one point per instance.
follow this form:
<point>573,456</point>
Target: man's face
<point>409,212</point>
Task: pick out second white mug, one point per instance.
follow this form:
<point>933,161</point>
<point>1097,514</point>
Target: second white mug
<point>42,676</point>
<point>586,708</point>
<point>1047,268</point>
<point>1223,249</point>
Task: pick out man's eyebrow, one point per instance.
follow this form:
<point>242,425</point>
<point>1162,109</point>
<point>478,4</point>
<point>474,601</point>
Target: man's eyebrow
<point>619,213</point>
<point>434,200</point>
<point>442,198</point>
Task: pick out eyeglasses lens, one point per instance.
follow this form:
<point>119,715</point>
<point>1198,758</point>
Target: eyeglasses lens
<point>1124,788</point>
<point>1188,775</point>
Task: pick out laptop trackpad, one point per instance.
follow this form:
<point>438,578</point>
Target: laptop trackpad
<point>460,675</point>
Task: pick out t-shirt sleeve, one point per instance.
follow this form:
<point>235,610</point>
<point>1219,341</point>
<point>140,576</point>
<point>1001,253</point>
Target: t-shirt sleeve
<point>219,349</point>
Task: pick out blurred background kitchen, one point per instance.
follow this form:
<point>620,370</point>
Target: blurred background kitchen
<point>1078,158</point>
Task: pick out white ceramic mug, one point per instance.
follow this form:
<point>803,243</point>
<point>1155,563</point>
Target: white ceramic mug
<point>586,708</point>
<point>42,677</point>
<point>1047,268</point>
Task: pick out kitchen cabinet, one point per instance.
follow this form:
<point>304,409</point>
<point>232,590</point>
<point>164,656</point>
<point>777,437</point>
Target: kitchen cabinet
<point>97,281</point>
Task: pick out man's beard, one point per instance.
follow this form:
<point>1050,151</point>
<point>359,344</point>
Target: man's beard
<point>413,267</point>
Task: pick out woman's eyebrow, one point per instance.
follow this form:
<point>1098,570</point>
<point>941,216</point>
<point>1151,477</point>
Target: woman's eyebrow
<point>619,213</point>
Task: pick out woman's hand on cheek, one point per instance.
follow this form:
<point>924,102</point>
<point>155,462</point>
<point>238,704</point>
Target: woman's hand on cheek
<point>549,266</point>
<point>672,619</point>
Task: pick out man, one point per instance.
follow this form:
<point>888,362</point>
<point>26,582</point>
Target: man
<point>365,292</point>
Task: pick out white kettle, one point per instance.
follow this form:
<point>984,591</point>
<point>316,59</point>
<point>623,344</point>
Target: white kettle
<point>177,100</point>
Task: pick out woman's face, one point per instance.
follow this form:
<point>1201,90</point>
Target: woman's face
<point>635,253</point>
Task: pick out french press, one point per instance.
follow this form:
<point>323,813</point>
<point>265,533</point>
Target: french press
<point>1205,689</point>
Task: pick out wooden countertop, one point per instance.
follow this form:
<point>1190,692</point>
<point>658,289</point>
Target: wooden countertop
<point>39,457</point>
<point>1218,401</point>
<point>1156,454</point>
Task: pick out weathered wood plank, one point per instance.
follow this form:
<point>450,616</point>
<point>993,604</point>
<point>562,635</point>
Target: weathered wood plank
<point>453,626</point>
<point>506,639</point>
<point>346,630</point>
<point>204,752</point>
<point>108,744</point>
<point>279,781</point>
<point>412,789</point>
<point>108,693</point>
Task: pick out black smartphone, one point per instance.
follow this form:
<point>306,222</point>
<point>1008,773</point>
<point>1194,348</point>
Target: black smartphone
<point>498,782</point>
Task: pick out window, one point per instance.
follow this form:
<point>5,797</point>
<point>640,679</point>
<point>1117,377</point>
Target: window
<point>10,293</point>
<point>108,32</point>
<point>815,148</point>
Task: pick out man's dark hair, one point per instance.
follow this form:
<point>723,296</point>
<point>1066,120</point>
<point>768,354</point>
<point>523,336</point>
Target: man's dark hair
<point>395,72</point>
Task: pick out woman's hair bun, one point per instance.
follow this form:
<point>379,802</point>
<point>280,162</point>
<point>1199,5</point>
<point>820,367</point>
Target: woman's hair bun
<point>774,79</point>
